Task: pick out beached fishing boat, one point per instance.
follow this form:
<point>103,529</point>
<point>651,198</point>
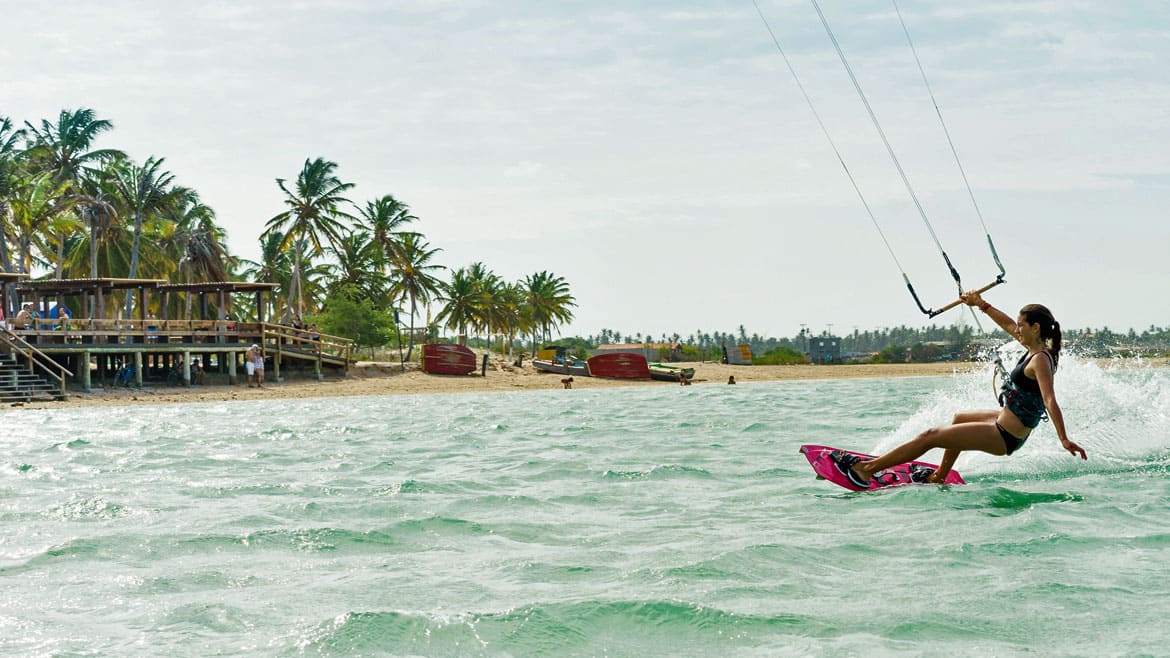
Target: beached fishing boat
<point>556,359</point>
<point>572,367</point>
<point>619,365</point>
<point>665,373</point>
<point>448,359</point>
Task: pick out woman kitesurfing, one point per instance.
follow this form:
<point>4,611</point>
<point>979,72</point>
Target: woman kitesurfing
<point>1028,395</point>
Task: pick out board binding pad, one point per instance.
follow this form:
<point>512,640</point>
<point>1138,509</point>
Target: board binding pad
<point>895,476</point>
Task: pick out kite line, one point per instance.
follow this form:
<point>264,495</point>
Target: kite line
<point>897,164</point>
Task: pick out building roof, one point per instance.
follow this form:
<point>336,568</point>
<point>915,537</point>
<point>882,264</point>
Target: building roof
<point>75,286</point>
<point>216,286</point>
<point>52,287</point>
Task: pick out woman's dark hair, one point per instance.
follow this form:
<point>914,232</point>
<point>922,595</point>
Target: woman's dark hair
<point>1049,328</point>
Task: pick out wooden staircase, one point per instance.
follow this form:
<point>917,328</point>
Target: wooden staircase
<point>17,384</point>
<point>26,374</point>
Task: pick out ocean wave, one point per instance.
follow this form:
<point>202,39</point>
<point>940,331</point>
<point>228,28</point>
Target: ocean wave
<point>57,555</point>
<point>577,628</point>
<point>214,619</point>
<point>87,508</point>
<point>309,540</point>
<point>660,472</point>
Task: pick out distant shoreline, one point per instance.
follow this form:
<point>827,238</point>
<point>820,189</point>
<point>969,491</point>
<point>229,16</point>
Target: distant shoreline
<point>373,379</point>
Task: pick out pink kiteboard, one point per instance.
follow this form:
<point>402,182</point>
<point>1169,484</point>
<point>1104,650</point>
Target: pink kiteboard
<point>896,476</point>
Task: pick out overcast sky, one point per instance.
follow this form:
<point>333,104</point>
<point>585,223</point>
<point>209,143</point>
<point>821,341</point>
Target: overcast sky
<point>658,155</point>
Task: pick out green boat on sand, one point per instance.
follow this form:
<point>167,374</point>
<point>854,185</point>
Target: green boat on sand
<point>665,373</point>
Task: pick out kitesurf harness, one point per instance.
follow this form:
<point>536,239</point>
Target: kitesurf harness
<point>1021,395</point>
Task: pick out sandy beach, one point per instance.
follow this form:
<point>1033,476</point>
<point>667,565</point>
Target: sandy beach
<point>372,378</point>
<point>369,378</point>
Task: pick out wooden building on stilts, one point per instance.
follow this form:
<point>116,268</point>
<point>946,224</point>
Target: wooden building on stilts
<point>77,333</point>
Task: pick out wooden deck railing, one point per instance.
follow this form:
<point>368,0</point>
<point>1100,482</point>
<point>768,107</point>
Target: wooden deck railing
<point>301,344</point>
<point>100,331</point>
<point>180,331</point>
<point>35,358</point>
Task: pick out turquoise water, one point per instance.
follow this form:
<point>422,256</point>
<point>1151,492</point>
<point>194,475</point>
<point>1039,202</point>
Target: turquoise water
<point>650,521</point>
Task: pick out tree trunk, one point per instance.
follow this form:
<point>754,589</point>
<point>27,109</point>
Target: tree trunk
<point>410,343</point>
<point>25,255</point>
<point>5,258</point>
<point>93,240</point>
<point>91,219</point>
<point>61,256</point>
<point>134,262</point>
<point>190,299</point>
<point>296,282</point>
<point>9,301</point>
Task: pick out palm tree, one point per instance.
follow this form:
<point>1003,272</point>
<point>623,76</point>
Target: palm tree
<point>549,301</point>
<point>197,241</point>
<point>63,233</point>
<point>492,295</point>
<point>461,295</point>
<point>275,266</point>
<point>8,181</point>
<point>359,266</point>
<point>507,312</point>
<point>96,209</point>
<point>313,213</point>
<point>315,279</point>
<point>36,204</point>
<point>485,282</point>
<point>103,247</point>
<point>412,270</point>
<point>143,191</point>
<point>384,218</point>
<point>191,243</point>
<point>64,149</point>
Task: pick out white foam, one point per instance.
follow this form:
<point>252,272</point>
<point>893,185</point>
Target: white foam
<point>1119,412</point>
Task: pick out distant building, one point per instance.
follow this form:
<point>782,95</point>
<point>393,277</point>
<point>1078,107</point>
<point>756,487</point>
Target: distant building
<point>652,351</point>
<point>824,349</point>
<point>738,355</point>
<point>942,350</point>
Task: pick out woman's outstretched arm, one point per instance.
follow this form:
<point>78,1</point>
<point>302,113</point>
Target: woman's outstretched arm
<point>1006,322</point>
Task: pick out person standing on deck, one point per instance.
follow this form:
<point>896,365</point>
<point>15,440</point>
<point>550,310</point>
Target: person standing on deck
<point>24,318</point>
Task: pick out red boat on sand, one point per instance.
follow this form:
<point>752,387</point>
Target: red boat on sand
<point>619,365</point>
<point>448,359</point>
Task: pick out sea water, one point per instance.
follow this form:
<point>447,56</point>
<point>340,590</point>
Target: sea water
<point>651,521</point>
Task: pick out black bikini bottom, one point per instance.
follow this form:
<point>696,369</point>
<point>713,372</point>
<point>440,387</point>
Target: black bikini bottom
<point>1010,441</point>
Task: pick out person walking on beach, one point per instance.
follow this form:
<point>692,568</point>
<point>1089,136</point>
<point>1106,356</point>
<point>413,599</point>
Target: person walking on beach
<point>258,357</point>
<point>1027,396</point>
<point>250,367</point>
<point>254,363</point>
